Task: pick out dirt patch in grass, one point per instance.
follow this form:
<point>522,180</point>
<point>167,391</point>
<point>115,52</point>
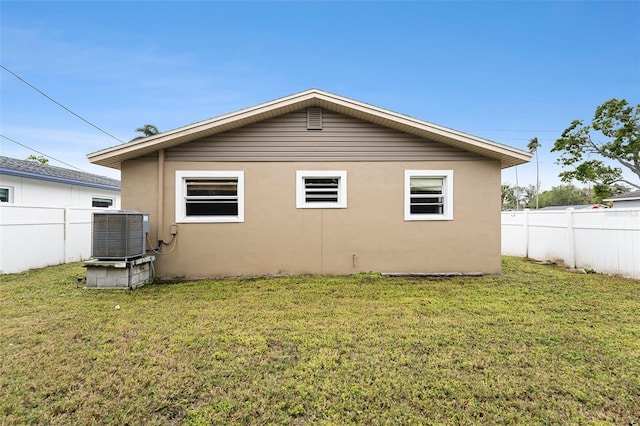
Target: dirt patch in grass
<point>534,345</point>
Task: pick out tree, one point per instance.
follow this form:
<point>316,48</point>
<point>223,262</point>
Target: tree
<point>601,192</point>
<point>533,146</point>
<point>146,130</point>
<point>40,159</point>
<point>508,199</point>
<point>620,124</point>
<point>565,195</point>
<point>511,197</point>
<point>529,193</point>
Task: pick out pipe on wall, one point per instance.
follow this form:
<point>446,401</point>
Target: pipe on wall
<point>160,217</point>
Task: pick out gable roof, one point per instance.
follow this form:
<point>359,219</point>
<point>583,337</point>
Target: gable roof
<point>627,196</point>
<point>34,170</point>
<point>113,156</point>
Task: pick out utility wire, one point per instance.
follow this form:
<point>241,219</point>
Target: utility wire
<point>58,103</point>
<point>528,131</point>
<point>41,153</point>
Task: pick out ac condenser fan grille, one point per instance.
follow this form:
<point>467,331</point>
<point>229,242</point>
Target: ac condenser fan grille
<point>118,235</point>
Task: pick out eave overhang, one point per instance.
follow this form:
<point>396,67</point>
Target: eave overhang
<point>114,156</point>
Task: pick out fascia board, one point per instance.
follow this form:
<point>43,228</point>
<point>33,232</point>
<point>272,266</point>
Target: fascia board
<point>622,199</point>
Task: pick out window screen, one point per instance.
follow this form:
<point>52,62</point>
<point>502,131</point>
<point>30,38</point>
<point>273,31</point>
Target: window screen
<point>427,195</point>
<point>212,197</point>
<point>209,196</point>
<point>321,190</point>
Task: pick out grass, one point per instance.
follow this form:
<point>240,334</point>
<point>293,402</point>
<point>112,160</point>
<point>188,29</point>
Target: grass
<point>536,345</point>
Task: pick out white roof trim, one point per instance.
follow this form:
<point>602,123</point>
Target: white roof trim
<point>113,156</point>
<point>636,198</point>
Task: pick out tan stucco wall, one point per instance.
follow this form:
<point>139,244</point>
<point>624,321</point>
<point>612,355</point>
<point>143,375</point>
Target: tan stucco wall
<point>278,238</point>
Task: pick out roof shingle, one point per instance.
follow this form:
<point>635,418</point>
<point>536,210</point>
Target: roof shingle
<point>35,170</point>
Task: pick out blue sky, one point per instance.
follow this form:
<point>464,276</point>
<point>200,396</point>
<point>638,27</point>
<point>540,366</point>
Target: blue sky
<point>505,71</point>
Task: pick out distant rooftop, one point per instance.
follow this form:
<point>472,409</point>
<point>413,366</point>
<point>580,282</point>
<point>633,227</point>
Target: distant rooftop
<point>627,196</point>
<point>35,170</point>
<point>577,207</point>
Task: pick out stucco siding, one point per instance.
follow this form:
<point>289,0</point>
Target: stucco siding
<point>276,237</point>
<point>342,138</point>
<point>139,188</point>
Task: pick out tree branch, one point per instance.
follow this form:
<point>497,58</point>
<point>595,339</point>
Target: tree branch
<point>635,185</point>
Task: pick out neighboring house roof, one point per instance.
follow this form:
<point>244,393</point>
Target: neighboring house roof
<point>113,156</point>
<point>627,196</point>
<point>35,170</point>
<point>577,207</point>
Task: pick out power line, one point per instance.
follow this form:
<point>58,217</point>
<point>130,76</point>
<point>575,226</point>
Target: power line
<point>58,103</point>
<point>41,153</point>
<point>525,130</point>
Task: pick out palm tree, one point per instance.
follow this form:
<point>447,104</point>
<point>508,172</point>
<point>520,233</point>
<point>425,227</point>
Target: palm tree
<point>146,130</point>
<point>533,146</point>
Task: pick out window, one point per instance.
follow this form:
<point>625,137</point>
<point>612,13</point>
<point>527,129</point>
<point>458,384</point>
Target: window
<point>5,195</point>
<point>321,189</point>
<point>428,195</point>
<point>206,196</point>
<point>101,202</point>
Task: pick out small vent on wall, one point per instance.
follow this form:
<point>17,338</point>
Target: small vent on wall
<point>314,118</point>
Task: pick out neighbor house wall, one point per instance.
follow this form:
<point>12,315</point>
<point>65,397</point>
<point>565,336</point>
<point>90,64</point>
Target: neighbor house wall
<point>36,192</point>
<point>626,204</point>
<point>276,237</point>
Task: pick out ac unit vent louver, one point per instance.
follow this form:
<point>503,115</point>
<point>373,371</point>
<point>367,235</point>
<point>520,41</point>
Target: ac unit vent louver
<point>314,118</point>
<point>119,235</point>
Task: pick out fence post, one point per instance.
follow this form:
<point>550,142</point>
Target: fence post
<point>526,233</point>
<point>65,233</point>
<point>571,242</point>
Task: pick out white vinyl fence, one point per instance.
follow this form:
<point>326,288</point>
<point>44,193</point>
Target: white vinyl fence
<point>34,237</point>
<point>603,240</point>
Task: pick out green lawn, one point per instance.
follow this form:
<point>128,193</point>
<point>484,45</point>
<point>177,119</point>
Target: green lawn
<point>537,345</point>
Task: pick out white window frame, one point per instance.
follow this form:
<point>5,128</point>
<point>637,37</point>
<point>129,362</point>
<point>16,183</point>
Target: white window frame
<point>447,187</point>
<point>301,202</point>
<point>113,201</point>
<point>9,195</point>
<point>181,193</point>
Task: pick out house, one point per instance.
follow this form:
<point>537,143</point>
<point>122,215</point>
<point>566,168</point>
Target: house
<point>316,183</point>
<point>32,183</point>
<point>628,199</point>
<point>45,213</point>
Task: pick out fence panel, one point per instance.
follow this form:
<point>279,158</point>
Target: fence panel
<point>78,241</point>
<point>35,237</point>
<point>607,241</point>
<point>513,234</point>
<point>548,236</point>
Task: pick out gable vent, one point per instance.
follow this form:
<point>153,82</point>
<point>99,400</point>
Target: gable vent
<point>314,118</point>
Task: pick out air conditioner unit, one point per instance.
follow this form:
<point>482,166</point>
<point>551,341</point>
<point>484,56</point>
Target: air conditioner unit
<point>119,235</point>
